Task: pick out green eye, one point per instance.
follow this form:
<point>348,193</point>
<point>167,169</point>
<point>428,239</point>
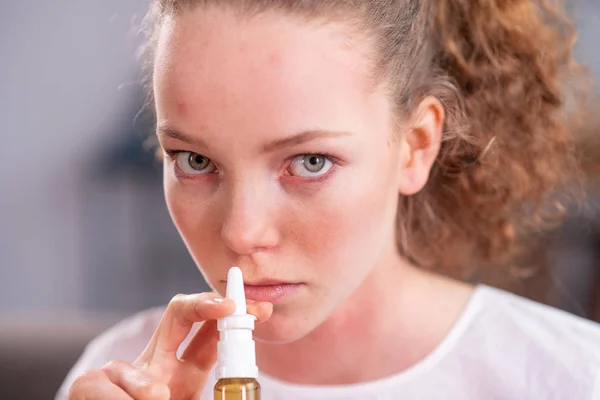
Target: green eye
<point>314,163</point>
<point>310,165</point>
<point>198,162</point>
<point>194,163</point>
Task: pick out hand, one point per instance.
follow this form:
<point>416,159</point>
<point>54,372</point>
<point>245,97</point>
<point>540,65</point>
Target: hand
<point>158,374</point>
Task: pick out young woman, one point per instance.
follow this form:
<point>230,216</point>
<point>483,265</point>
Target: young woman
<point>337,151</point>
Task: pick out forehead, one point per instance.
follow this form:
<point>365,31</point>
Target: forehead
<point>275,65</point>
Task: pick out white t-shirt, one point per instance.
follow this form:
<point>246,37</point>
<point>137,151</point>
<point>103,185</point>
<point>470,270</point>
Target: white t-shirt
<point>502,347</point>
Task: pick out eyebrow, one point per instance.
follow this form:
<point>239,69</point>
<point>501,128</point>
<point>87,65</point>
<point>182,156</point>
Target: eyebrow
<point>278,144</point>
<point>168,131</point>
<point>302,137</point>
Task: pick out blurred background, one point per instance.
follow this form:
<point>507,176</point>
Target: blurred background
<point>85,238</point>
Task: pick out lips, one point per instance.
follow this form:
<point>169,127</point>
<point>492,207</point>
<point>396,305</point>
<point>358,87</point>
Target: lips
<point>270,291</point>
<point>265,282</point>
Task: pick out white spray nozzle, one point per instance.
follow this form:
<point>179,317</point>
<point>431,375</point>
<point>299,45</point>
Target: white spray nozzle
<point>236,349</point>
<point>235,290</point>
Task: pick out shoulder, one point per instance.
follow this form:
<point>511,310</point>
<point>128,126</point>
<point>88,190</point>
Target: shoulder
<point>545,325</point>
<point>546,349</point>
<point>123,341</point>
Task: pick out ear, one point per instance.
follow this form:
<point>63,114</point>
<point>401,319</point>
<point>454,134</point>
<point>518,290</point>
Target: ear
<point>420,145</point>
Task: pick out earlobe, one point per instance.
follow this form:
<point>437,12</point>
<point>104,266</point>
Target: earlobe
<point>420,145</point>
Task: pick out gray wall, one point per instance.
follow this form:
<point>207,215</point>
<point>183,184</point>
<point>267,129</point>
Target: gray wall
<point>65,79</point>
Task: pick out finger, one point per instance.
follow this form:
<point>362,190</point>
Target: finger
<point>182,312</point>
<point>261,310</point>
<point>137,383</point>
<point>202,349</point>
<point>95,385</point>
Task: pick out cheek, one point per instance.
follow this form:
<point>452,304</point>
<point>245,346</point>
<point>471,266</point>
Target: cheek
<point>181,212</point>
<point>189,207</point>
<point>347,227</point>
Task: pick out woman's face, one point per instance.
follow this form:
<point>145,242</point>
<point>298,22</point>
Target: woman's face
<point>278,158</point>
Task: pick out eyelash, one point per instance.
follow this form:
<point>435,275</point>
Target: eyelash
<point>172,154</point>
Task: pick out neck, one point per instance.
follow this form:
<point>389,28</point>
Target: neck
<point>397,317</point>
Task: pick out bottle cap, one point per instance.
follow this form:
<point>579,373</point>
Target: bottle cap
<point>236,348</point>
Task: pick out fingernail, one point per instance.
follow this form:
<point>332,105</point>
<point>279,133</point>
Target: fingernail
<point>218,299</point>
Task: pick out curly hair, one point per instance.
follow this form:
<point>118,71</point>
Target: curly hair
<point>511,89</point>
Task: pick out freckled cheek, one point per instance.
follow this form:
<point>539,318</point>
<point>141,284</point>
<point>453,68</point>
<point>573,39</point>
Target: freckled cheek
<point>342,231</point>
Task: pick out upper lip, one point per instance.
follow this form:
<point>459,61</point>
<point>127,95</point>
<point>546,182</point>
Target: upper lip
<point>266,282</point>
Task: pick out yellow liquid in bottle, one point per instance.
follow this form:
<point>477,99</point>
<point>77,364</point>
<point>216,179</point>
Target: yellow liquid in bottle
<point>237,389</point>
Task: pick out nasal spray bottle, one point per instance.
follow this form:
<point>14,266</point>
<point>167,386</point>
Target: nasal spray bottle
<point>236,369</point>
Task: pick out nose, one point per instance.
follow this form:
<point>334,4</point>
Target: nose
<point>248,223</point>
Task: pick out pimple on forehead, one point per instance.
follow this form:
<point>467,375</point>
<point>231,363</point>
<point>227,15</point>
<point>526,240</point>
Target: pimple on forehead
<point>182,109</point>
<point>274,59</point>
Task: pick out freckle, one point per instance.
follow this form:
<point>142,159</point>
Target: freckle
<point>274,59</point>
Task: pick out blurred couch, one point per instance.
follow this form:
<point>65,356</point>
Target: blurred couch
<point>36,355</point>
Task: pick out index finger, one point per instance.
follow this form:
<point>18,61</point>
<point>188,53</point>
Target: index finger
<point>182,312</point>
